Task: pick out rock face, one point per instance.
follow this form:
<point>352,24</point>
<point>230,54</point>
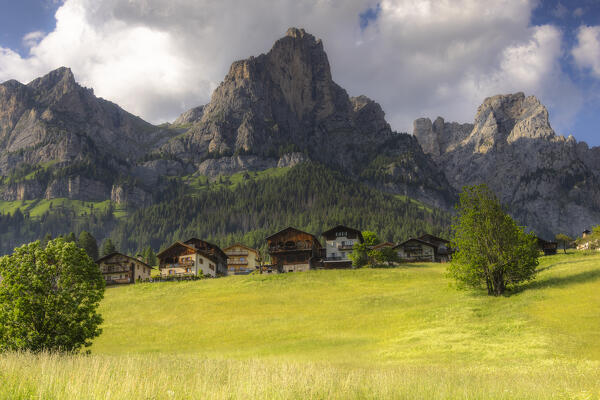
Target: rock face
<point>548,182</point>
<point>286,101</point>
<point>190,116</point>
<point>75,143</point>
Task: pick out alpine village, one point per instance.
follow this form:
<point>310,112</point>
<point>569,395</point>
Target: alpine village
<point>283,241</point>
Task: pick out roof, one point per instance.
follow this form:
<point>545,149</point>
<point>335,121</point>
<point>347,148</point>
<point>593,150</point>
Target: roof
<point>416,240</point>
<point>240,245</point>
<point>295,229</point>
<point>428,237</point>
<point>210,245</point>
<point>177,243</point>
<point>545,242</point>
<point>344,228</point>
<point>384,244</point>
<point>116,253</point>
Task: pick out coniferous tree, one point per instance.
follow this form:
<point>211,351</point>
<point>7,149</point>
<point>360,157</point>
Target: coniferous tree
<point>87,242</point>
<point>108,247</point>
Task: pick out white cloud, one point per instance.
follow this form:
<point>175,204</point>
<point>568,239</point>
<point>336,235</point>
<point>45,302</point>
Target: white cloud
<point>33,38</point>
<point>587,51</point>
<point>157,58</point>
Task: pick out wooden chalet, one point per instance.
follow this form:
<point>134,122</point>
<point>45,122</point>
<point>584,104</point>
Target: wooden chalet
<point>339,242</point>
<point>414,250</point>
<point>292,250</point>
<point>549,248</point>
<point>443,249</point>
<point>118,269</point>
<point>192,258</point>
<point>241,260</point>
<point>428,248</point>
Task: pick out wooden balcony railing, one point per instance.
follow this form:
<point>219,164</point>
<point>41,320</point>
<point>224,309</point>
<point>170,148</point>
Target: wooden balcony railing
<point>236,252</point>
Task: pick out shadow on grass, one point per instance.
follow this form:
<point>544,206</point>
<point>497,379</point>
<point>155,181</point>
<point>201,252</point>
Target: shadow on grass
<point>560,263</point>
<point>558,282</point>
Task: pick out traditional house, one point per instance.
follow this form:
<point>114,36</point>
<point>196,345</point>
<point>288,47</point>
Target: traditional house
<point>192,258</point>
<point>119,268</point>
<point>416,250</point>
<point>443,252</point>
<point>585,233</point>
<point>241,259</point>
<point>292,250</point>
<point>339,242</point>
<point>549,248</point>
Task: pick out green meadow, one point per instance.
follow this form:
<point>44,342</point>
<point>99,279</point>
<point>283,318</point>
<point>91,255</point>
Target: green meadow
<point>38,207</point>
<point>403,332</point>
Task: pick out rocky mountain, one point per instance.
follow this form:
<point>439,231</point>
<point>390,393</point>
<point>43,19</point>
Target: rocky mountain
<point>284,107</point>
<point>548,182</point>
<point>59,140</point>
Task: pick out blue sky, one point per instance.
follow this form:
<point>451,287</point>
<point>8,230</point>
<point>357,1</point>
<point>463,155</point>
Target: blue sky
<point>20,17</point>
<point>375,48</point>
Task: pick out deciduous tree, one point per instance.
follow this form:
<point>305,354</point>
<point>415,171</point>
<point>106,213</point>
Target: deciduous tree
<point>49,298</point>
<point>491,249</point>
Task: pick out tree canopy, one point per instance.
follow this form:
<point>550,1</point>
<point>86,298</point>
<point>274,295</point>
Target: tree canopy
<point>492,251</point>
<point>108,247</point>
<point>49,298</point>
<point>89,244</point>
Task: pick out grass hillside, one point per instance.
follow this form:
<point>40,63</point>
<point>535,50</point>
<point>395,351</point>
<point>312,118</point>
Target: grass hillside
<point>371,333</point>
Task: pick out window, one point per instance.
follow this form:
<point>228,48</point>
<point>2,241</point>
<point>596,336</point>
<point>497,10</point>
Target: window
<point>200,261</point>
<point>341,234</point>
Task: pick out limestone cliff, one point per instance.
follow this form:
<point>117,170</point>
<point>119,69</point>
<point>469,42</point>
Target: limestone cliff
<point>285,101</point>
<point>70,142</point>
<point>548,182</point>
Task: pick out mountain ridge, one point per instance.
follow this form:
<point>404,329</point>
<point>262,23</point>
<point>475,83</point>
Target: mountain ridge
<point>547,181</point>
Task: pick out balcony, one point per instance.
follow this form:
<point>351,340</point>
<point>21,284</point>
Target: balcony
<point>345,246</point>
<point>117,271</point>
<point>237,262</point>
<point>236,253</point>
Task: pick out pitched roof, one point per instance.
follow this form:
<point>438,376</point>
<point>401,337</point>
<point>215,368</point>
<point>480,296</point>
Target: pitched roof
<point>240,245</point>
<point>343,228</point>
<point>416,240</point>
<point>428,237</point>
<point>176,244</point>
<point>384,244</point>
<point>211,246</point>
<point>116,253</point>
<point>294,229</point>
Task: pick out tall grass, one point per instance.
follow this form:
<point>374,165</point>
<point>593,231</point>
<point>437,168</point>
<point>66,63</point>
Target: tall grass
<point>391,333</point>
<point>46,376</point>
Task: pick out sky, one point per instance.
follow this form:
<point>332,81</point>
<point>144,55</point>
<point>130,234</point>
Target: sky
<point>417,58</point>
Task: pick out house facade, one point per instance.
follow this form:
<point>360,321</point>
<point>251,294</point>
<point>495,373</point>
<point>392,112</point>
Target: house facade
<point>339,243</point>
<point>241,259</point>
<point>549,248</point>
<point>194,257</point>
<point>413,250</point>
<point>292,250</point>
<point>118,269</point>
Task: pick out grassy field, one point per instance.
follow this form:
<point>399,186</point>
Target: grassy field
<point>36,208</point>
<point>198,183</point>
<point>403,332</point>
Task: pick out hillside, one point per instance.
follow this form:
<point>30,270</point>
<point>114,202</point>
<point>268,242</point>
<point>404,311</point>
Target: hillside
<point>235,208</point>
<point>370,333</point>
